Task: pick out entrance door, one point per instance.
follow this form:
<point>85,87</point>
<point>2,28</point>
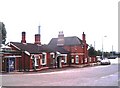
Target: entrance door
<point>59,65</point>
<point>10,64</point>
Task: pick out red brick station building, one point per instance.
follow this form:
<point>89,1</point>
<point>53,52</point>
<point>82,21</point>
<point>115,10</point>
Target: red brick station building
<point>59,53</point>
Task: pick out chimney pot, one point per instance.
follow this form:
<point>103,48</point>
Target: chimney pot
<point>83,37</point>
<point>23,37</point>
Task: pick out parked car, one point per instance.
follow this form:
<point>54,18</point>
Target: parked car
<point>112,57</point>
<point>105,61</point>
<point>98,59</point>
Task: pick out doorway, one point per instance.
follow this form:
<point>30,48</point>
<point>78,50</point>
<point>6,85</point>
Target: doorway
<point>59,64</point>
<point>10,65</point>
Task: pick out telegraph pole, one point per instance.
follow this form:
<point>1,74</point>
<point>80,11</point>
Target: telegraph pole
<point>0,34</point>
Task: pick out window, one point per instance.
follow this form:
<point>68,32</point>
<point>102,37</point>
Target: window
<point>43,59</point>
<point>77,59</point>
<point>72,59</point>
<point>35,59</point>
<point>94,59</point>
<point>85,60</point>
<point>52,55</point>
<point>90,59</point>
<point>65,59</point>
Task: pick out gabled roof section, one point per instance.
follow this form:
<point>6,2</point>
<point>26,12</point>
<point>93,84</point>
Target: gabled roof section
<point>32,48</point>
<point>67,41</point>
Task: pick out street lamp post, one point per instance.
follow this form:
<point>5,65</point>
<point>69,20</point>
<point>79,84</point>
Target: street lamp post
<point>102,47</point>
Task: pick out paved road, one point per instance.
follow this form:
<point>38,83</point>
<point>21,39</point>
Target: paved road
<point>106,75</point>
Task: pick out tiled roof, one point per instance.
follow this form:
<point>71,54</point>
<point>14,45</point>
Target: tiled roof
<point>31,48</point>
<point>59,49</point>
<point>67,41</point>
<point>34,48</point>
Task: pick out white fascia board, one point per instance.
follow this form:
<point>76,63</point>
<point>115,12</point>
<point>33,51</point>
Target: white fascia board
<point>63,55</point>
<point>26,52</point>
<point>15,46</point>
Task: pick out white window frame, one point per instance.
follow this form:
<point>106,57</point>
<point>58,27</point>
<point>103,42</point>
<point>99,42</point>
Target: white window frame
<point>45,59</point>
<point>76,59</point>
<point>72,61</point>
<point>65,61</point>
<point>90,59</point>
<point>52,54</point>
<point>65,57</point>
<point>85,60</point>
<point>36,64</point>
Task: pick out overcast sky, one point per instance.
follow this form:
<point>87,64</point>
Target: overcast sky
<point>97,18</point>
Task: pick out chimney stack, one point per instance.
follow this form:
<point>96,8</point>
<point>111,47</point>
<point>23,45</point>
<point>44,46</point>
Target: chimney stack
<point>60,41</point>
<point>37,39</point>
<point>85,51</point>
<point>83,37</point>
<point>23,37</point>
<point>38,36</point>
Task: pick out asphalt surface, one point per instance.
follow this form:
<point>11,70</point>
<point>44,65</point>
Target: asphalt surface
<point>104,75</point>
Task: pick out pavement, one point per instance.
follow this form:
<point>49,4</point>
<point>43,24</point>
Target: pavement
<point>53,69</point>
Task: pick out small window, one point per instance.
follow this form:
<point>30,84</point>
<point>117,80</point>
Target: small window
<point>85,60</point>
<point>65,59</point>
<point>72,59</point>
<point>90,59</point>
<point>52,55</point>
<point>35,59</point>
<point>43,58</point>
<point>77,59</point>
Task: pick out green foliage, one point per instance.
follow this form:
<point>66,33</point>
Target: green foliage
<point>3,30</point>
<point>92,51</point>
<point>99,53</point>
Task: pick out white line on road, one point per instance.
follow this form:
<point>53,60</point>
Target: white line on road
<point>111,75</point>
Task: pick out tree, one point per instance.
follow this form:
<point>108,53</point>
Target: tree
<point>99,53</point>
<point>2,33</point>
<point>92,51</point>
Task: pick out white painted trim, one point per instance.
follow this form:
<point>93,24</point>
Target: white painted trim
<point>72,60</point>
<point>44,58</point>
<point>15,46</point>
<point>90,59</point>
<point>63,55</point>
<point>76,59</point>
<point>85,60</point>
<point>36,64</point>
<point>65,59</point>
<point>53,54</point>
<point>12,56</point>
<point>26,52</point>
